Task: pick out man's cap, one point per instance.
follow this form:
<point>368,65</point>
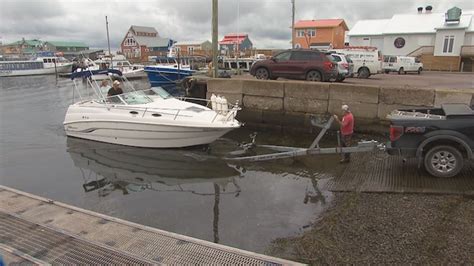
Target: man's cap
<point>345,107</point>
<point>117,82</point>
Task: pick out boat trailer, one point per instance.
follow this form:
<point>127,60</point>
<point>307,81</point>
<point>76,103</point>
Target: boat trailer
<point>293,152</point>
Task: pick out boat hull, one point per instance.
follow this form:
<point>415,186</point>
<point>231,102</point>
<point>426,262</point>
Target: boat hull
<point>162,76</point>
<point>143,134</point>
<point>40,71</point>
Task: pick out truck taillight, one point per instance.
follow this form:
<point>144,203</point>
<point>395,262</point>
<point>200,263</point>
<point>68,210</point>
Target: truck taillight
<point>395,132</point>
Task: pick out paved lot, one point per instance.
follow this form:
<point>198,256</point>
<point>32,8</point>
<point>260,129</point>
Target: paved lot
<point>433,80</point>
<point>428,79</point>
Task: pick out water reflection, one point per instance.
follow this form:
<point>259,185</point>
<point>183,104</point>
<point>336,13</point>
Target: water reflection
<point>108,167</point>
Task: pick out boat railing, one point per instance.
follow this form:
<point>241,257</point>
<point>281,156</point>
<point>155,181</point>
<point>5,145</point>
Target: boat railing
<point>119,101</point>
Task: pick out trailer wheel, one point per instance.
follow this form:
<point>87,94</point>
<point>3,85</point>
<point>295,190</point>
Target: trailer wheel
<point>443,161</point>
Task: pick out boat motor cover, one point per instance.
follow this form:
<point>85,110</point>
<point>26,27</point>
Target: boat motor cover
<point>88,73</point>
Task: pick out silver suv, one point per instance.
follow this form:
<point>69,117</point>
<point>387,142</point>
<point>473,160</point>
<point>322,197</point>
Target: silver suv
<point>345,66</point>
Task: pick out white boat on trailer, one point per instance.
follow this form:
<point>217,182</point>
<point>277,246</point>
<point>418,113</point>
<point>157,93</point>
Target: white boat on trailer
<point>150,118</point>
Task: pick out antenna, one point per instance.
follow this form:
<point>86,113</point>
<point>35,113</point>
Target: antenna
<point>108,41</point>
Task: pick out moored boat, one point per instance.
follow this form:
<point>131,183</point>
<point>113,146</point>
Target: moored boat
<point>41,65</point>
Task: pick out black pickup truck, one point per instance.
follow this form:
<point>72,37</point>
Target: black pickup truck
<point>441,138</point>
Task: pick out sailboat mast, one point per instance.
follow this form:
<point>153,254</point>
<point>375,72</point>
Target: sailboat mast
<point>108,41</point>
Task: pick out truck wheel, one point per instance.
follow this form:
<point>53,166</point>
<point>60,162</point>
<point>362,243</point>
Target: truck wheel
<point>419,70</point>
<point>401,71</point>
<point>363,73</point>
<point>443,161</point>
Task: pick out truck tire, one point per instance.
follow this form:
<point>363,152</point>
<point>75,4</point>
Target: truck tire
<point>419,70</point>
<point>401,71</point>
<point>443,161</point>
<point>363,73</point>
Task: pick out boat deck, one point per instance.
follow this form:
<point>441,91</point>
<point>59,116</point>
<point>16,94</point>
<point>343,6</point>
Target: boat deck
<point>37,230</point>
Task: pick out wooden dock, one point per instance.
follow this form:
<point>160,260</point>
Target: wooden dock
<point>37,230</point>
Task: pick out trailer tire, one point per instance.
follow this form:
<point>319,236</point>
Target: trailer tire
<point>443,161</point>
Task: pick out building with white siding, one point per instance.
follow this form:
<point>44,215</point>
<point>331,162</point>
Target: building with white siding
<point>442,40</point>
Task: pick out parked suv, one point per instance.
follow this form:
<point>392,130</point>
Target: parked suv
<point>441,138</point>
<point>311,65</point>
<point>345,66</point>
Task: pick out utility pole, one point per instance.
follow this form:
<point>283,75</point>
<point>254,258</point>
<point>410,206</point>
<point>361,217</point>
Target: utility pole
<point>293,24</point>
<point>215,21</point>
<point>108,41</point>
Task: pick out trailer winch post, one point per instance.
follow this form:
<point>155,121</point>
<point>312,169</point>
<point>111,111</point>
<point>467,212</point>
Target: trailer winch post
<point>322,133</point>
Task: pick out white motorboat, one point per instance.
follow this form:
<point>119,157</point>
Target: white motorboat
<point>119,62</point>
<point>41,65</point>
<point>150,118</point>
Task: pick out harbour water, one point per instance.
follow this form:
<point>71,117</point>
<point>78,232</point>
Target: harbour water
<point>186,191</point>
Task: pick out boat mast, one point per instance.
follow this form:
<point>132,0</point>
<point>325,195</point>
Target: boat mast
<point>108,41</point>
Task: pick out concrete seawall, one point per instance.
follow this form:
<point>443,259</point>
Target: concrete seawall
<point>288,104</point>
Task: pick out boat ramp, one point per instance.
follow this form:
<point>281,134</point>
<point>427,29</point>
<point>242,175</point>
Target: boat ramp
<point>41,231</point>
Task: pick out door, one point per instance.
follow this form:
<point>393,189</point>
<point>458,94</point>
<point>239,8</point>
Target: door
<point>280,65</point>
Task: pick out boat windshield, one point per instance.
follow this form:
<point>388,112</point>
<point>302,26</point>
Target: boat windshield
<point>136,97</point>
<point>161,92</point>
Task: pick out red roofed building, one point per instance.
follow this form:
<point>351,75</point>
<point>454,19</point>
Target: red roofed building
<point>320,33</point>
<point>233,42</point>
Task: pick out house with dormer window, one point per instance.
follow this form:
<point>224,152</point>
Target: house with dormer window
<point>141,41</point>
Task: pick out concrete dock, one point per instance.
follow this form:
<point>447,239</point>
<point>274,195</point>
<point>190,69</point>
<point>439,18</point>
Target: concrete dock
<point>37,230</point>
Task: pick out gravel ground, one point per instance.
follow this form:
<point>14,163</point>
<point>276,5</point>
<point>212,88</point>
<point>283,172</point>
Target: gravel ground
<point>374,228</point>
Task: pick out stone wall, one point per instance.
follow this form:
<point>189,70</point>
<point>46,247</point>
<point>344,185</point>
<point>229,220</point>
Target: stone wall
<point>288,104</point>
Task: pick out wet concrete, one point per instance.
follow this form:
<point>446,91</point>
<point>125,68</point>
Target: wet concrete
<point>383,173</point>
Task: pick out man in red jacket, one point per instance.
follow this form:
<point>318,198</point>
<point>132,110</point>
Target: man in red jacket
<point>347,129</point>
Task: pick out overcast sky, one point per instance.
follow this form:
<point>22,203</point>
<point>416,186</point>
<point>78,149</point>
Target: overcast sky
<point>266,21</point>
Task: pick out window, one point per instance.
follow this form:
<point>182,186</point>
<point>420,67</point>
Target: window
<point>300,33</point>
<point>285,56</point>
<point>448,44</point>
<point>190,49</point>
<point>297,46</point>
<point>299,56</point>
<point>312,32</point>
<point>336,58</point>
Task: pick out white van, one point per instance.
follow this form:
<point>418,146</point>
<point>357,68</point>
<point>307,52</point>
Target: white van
<point>401,64</point>
<point>367,61</point>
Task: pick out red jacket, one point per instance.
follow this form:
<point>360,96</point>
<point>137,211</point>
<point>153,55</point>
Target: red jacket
<point>347,126</point>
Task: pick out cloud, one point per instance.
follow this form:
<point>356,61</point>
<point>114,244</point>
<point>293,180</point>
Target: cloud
<point>267,21</point>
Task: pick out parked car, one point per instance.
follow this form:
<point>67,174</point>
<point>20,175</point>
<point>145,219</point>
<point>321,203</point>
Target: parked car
<point>367,61</point>
<point>311,65</point>
<point>441,138</point>
<point>401,64</point>
<point>345,66</point>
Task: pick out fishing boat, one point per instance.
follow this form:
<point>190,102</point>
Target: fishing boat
<point>149,118</point>
<point>168,71</point>
<point>41,65</point>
